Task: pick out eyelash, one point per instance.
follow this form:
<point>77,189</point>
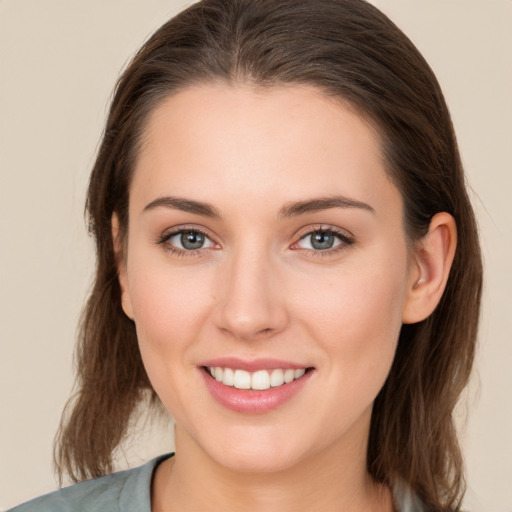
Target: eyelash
<point>344,238</point>
<point>166,236</point>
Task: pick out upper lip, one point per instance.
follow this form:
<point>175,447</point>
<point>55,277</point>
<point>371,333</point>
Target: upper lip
<point>253,364</point>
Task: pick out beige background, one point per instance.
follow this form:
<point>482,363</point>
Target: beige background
<point>58,63</point>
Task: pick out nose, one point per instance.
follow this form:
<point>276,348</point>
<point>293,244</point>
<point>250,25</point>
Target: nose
<point>252,301</point>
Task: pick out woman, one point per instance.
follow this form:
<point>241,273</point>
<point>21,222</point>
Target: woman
<point>287,262</point>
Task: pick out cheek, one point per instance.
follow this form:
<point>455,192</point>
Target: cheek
<point>169,309</point>
<point>356,316</point>
<point>164,300</point>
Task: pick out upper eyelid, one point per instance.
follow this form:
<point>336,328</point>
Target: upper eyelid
<point>303,232</point>
<point>166,235</point>
<point>169,232</point>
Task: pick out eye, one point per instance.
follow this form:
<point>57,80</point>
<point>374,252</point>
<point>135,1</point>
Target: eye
<point>319,241</point>
<point>188,240</point>
<point>322,240</point>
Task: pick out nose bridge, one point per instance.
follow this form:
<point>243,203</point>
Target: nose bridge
<point>251,304</point>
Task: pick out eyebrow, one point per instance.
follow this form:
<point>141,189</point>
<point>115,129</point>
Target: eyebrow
<point>185,205</point>
<point>321,203</point>
<point>292,209</point>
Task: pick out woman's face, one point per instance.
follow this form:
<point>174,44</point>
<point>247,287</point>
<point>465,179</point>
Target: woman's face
<point>265,241</point>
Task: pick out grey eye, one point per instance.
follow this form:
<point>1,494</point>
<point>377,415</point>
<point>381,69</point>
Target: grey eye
<point>190,240</point>
<point>320,241</point>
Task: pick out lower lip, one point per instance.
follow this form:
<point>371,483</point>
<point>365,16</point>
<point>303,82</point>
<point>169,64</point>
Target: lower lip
<point>252,401</point>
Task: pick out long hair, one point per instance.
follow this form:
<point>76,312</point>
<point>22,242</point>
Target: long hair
<point>347,49</point>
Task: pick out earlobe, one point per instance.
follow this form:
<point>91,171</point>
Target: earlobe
<point>430,268</point>
<point>122,275</point>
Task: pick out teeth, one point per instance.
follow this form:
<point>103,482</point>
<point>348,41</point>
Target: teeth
<point>229,377</point>
<point>289,375</point>
<point>299,373</point>
<point>242,379</point>
<point>276,378</point>
<point>259,380</point>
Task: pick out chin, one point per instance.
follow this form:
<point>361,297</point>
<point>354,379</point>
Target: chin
<point>257,461</point>
<point>253,450</point>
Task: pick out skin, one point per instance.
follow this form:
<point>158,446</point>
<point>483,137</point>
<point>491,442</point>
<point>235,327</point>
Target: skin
<point>258,289</point>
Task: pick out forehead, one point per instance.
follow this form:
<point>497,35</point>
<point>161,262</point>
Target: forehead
<point>239,141</point>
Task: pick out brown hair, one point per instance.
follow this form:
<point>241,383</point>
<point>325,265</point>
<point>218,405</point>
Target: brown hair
<point>350,50</point>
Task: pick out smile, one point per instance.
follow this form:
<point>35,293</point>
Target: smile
<point>259,380</point>
<point>257,386</point>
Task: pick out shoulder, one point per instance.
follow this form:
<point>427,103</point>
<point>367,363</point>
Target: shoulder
<point>406,500</point>
<point>98,494</point>
<point>123,491</point>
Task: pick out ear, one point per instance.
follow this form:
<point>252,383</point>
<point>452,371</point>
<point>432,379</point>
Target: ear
<point>430,268</point>
<point>122,274</point>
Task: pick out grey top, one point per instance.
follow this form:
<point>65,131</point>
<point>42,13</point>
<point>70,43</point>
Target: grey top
<point>125,491</point>
<point>130,491</point>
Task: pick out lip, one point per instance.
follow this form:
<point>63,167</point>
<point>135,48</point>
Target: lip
<point>250,401</point>
<point>254,365</point>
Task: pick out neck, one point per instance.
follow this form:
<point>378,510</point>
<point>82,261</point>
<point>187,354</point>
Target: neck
<point>329,480</point>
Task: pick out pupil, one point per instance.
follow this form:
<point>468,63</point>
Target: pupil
<point>192,240</point>
<point>322,241</point>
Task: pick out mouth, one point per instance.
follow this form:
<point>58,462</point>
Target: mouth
<point>255,387</point>
<point>259,380</point>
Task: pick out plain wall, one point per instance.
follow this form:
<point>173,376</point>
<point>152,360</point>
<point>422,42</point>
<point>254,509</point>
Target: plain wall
<point>58,63</point>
